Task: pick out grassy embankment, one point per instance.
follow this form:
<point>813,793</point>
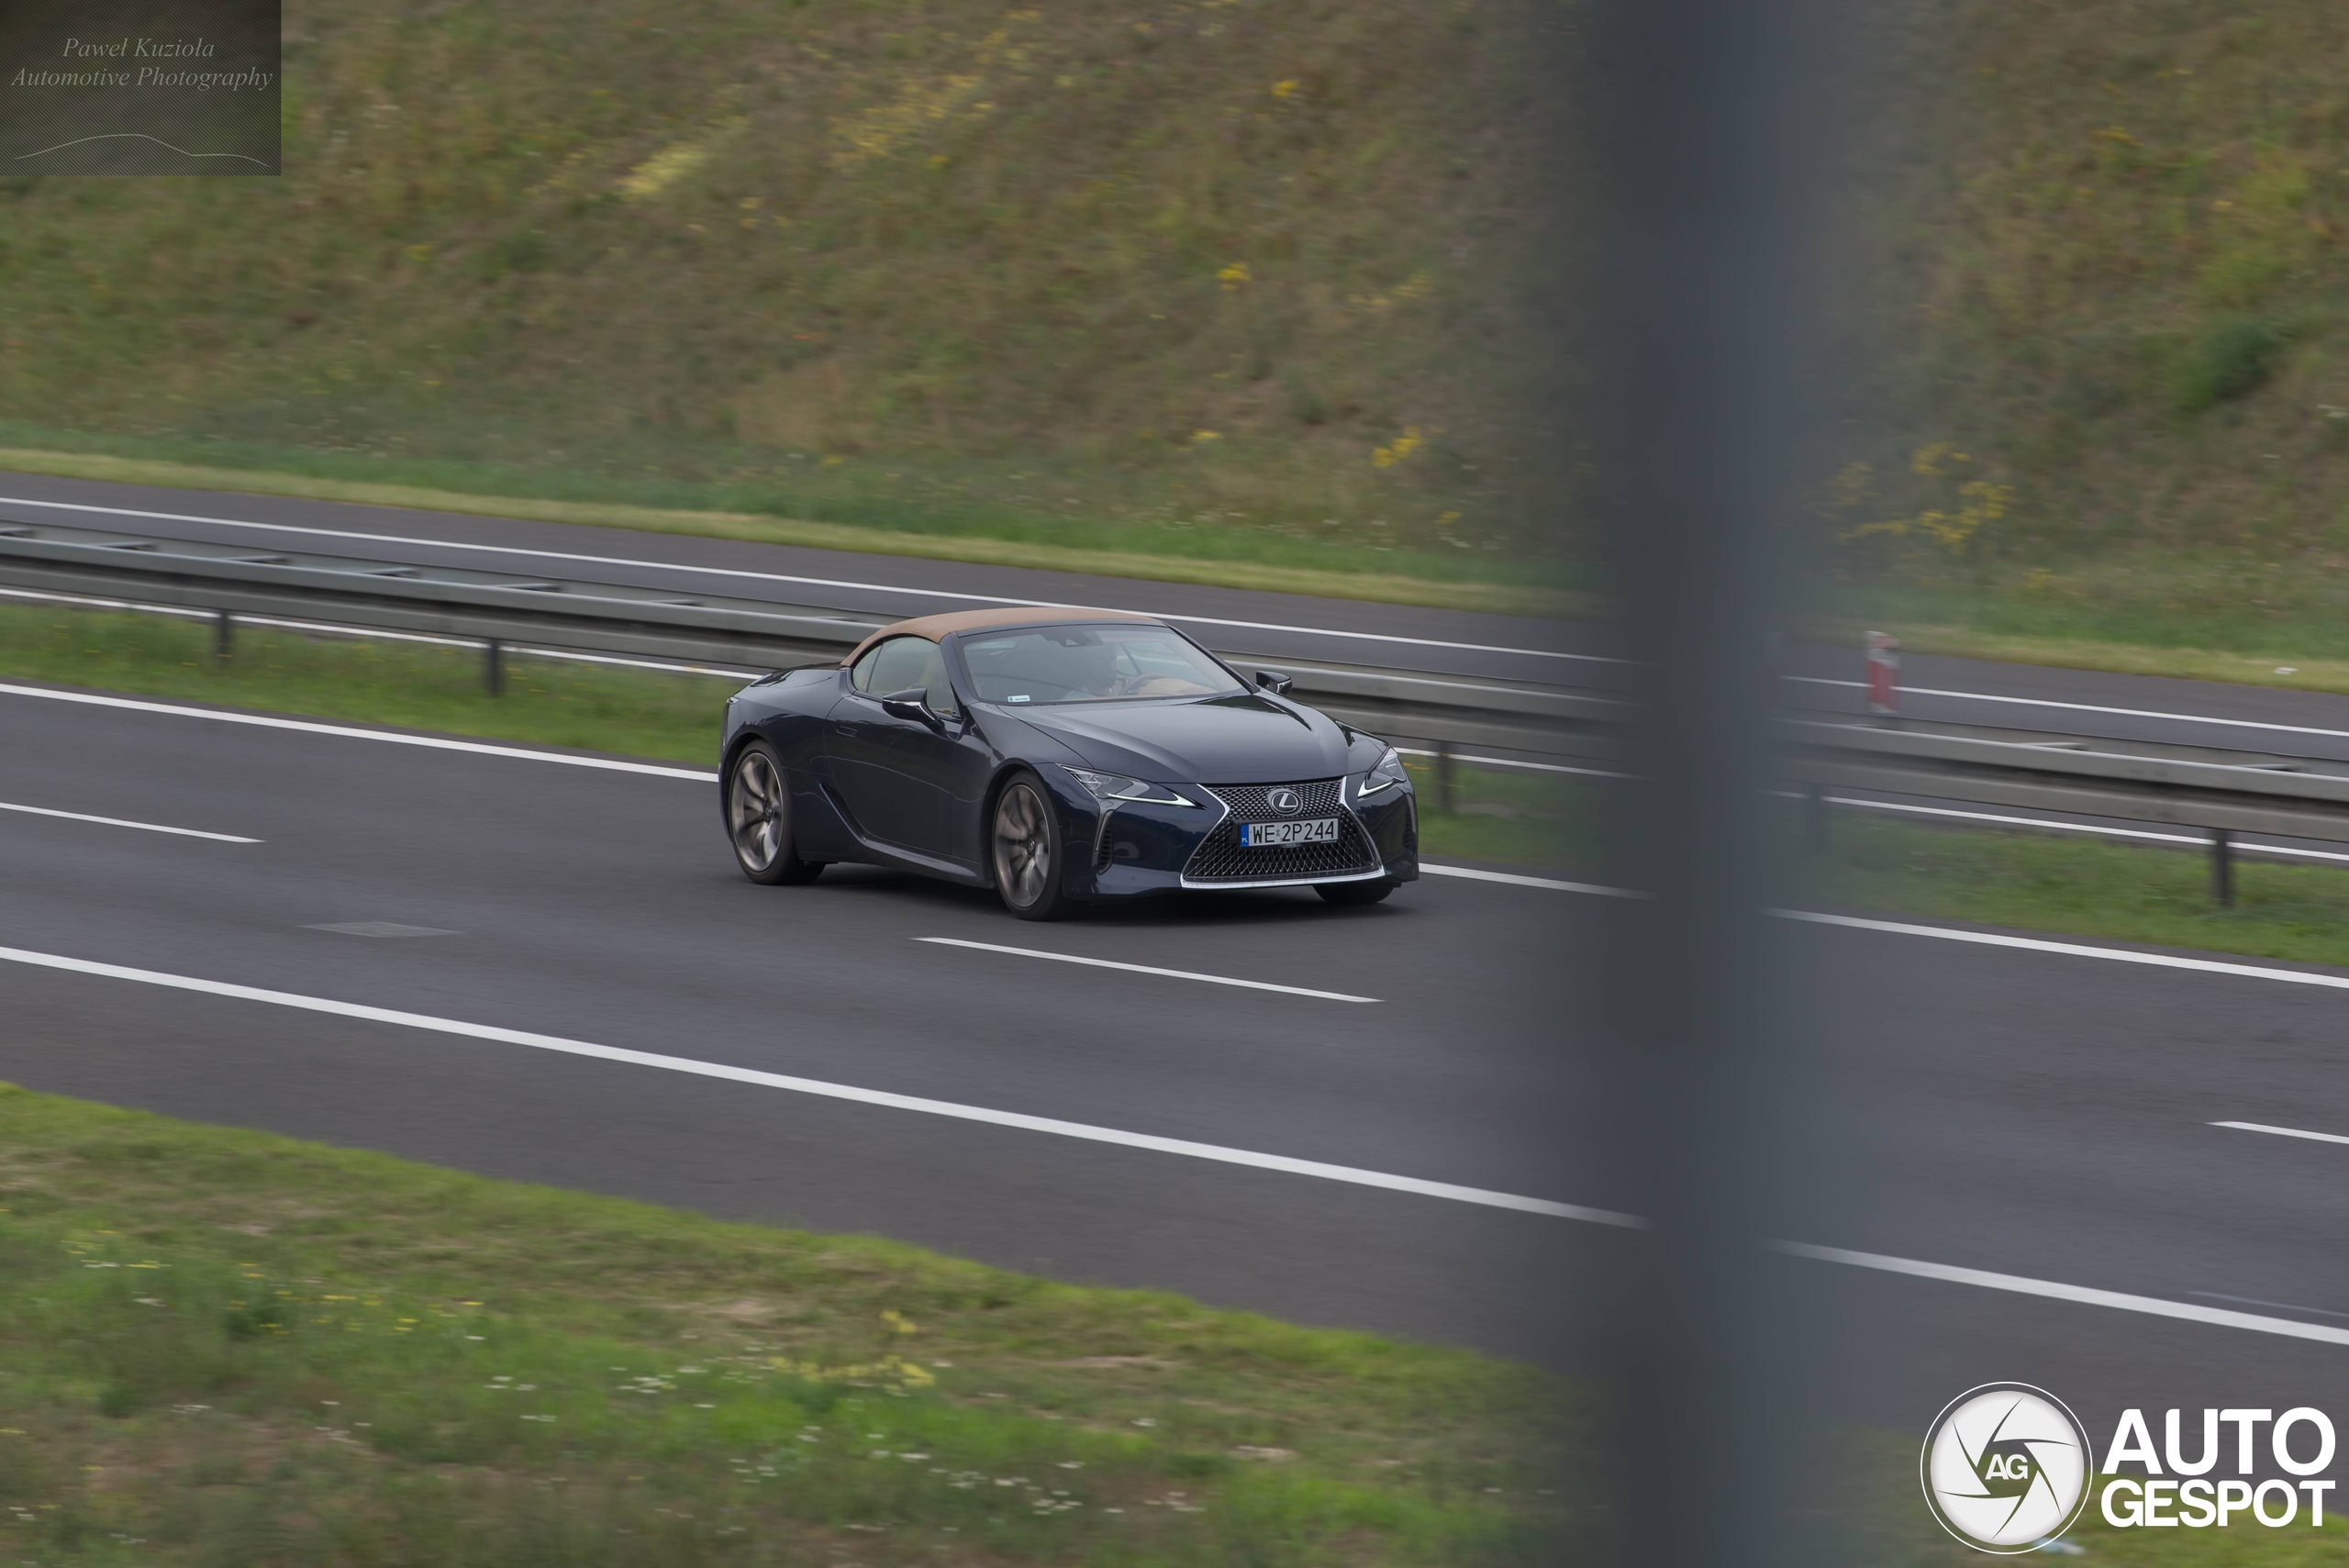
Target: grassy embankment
<point>223,1347</point>
<point>1231,286</point>
<point>2109,424</point>
<point>1499,817</point>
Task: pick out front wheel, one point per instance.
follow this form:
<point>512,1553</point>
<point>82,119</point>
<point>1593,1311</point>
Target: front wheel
<point>1349,895</point>
<point>1026,850</point>
<point>758,818</point>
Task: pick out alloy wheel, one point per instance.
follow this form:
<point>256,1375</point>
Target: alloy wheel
<point>1023,847</point>
<point>754,810</point>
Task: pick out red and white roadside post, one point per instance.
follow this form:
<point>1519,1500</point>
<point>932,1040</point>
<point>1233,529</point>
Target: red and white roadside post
<point>1884,673</point>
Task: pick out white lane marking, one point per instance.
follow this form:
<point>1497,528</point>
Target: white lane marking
<point>381,928</point>
<point>2241,848</point>
<point>1181,1146</point>
<point>786,577</point>
<point>1219,1153</point>
<point>2121,1301</point>
<point>119,822</point>
<point>2283,1131</point>
<point>86,602</point>
<point>1952,934</point>
<point>2255,1301</point>
<point>2094,707</point>
<point>2071,949</point>
<point>1147,969</point>
<point>1514,762</point>
<point>397,737</point>
<point>1514,880</point>
<point>718,670</point>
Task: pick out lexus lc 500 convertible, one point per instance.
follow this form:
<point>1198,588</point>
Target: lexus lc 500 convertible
<point>1061,757</point>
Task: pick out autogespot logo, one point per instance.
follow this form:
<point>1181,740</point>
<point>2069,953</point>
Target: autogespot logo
<point>2006,1467</point>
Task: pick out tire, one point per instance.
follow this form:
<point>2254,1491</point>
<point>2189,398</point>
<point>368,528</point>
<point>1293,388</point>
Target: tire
<point>758,818</point>
<point>1353,895</point>
<point>1024,849</point>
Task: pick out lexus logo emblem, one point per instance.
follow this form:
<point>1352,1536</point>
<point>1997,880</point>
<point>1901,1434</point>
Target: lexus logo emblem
<point>1288,802</point>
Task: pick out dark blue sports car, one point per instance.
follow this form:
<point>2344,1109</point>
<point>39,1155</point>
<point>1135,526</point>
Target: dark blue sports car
<point>1061,757</point>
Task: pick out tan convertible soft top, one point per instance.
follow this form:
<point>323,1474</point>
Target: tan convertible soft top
<point>936,626</point>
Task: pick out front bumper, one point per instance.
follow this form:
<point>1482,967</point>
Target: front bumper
<point>1135,849</point>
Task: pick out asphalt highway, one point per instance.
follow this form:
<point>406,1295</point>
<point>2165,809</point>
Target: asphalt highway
<point>2031,1113</point>
<point>2039,1115</point>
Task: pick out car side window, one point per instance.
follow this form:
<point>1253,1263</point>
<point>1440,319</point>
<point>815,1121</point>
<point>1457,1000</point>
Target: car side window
<point>938,690</point>
<point>901,663</point>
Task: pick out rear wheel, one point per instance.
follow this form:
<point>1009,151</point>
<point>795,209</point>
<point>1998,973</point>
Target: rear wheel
<point>1347,894</point>
<point>1025,850</point>
<point>758,818</point>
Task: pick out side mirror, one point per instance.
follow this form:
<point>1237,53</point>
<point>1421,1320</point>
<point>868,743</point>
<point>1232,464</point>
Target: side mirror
<point>1272,682</point>
<point>913,706</point>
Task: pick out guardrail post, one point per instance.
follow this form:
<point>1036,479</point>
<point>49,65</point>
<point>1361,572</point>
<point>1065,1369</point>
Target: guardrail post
<point>2222,867</point>
<point>224,635</point>
<point>1444,785</point>
<point>493,668</point>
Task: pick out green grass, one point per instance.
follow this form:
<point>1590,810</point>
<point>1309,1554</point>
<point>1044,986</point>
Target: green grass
<point>1226,282</point>
<point>2201,615</point>
<point>224,1347</point>
<point>639,713</point>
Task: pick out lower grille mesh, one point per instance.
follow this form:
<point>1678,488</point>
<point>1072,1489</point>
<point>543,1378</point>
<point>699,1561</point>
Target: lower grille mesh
<point>1221,858</point>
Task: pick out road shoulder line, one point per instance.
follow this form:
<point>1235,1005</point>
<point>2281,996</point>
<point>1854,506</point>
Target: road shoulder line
<point>351,732</point>
<point>125,822</point>
<point>1018,1120</point>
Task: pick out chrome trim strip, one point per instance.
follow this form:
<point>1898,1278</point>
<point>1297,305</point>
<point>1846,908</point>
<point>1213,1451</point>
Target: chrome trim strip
<point>1283,881</point>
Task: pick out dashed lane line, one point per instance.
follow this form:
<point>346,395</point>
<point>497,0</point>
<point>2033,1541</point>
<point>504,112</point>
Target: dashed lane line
<point>122,822</point>
<point>1146,969</point>
<point>350,732</point>
<point>2283,1131</point>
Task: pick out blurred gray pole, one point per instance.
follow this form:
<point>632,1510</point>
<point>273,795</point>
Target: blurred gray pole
<point>1714,189</point>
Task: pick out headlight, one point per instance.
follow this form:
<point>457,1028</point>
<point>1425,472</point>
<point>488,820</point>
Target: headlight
<point>1384,775</point>
<point>1117,786</point>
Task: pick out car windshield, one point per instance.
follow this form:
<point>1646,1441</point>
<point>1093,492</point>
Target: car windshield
<point>1091,663</point>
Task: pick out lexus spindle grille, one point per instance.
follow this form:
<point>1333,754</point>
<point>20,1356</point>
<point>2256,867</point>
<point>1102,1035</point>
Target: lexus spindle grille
<point>1220,857</point>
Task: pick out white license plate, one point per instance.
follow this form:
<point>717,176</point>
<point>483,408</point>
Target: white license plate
<point>1272,835</point>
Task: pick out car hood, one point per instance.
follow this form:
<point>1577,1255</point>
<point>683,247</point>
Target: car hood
<point>1242,738</point>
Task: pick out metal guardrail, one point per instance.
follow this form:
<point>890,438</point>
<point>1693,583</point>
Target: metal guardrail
<point>2221,792</point>
<point>2224,793</point>
<point>499,609</point>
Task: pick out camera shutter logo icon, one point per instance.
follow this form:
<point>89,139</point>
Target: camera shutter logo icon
<point>2006,1467</point>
